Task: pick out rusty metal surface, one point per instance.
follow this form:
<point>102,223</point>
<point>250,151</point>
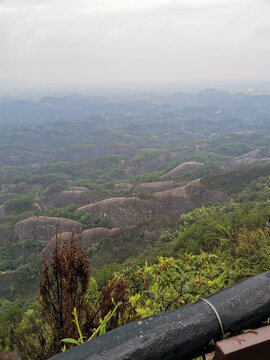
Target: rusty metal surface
<point>253,345</point>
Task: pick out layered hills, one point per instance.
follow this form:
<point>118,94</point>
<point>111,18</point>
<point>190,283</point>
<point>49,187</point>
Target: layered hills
<point>117,173</point>
<point>128,211</point>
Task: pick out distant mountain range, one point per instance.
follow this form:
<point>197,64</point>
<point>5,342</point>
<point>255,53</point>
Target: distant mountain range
<point>77,107</point>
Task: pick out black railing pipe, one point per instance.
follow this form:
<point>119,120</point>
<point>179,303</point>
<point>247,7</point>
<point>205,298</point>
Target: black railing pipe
<point>183,333</point>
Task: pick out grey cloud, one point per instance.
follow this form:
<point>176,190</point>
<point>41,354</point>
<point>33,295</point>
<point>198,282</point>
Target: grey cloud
<point>81,42</point>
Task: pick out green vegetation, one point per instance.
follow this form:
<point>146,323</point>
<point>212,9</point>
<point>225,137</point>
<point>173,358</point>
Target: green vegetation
<point>70,212</point>
<point>155,265</point>
<point>233,181</point>
<point>19,204</point>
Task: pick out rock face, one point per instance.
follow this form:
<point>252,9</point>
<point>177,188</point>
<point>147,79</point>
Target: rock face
<point>182,168</point>
<point>43,228</point>
<point>247,161</point>
<point>164,204</point>
<point>92,237</point>
<point>123,186</point>
<point>193,193</point>
<point>75,195</point>
<point>249,158</point>
<point>62,238</point>
<point>150,188</point>
<point>2,211</point>
<point>251,154</point>
<point>87,238</point>
<point>121,211</point>
<point>78,188</point>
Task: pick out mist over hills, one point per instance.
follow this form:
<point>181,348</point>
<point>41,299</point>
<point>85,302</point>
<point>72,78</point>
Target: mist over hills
<point>93,121</point>
<point>134,177</point>
<point>77,107</point>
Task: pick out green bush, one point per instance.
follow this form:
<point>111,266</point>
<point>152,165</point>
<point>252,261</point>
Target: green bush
<point>19,204</point>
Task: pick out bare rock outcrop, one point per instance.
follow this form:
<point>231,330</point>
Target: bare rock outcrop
<point>128,211</point>
<point>183,168</point>
<point>78,188</point>
<point>2,211</point>
<point>252,157</point>
<point>193,193</point>
<point>86,239</point>
<point>92,237</point>
<point>121,211</point>
<point>150,188</point>
<point>43,228</point>
<point>247,161</point>
<point>63,238</point>
<point>123,186</point>
<point>75,195</point>
<point>251,154</point>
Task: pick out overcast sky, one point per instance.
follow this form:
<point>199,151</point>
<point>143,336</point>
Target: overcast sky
<point>81,42</point>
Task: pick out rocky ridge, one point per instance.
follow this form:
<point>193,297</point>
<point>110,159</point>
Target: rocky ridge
<point>87,238</point>
<point>2,211</point>
<point>249,158</point>
<point>75,195</point>
<point>150,188</point>
<point>182,168</point>
<point>128,211</point>
<point>43,228</point>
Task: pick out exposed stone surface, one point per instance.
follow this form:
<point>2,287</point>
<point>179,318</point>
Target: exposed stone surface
<point>128,211</point>
<point>87,238</point>
<point>2,211</point>
<point>78,188</point>
<point>43,228</point>
<point>64,237</point>
<point>190,193</point>
<point>121,211</point>
<point>248,161</point>
<point>249,158</point>
<point>150,188</point>
<point>91,237</point>
<point>182,168</point>
<point>123,186</point>
<point>251,154</point>
<point>76,195</point>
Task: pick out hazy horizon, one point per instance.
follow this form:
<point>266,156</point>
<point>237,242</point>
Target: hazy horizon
<point>35,92</point>
<point>126,43</point>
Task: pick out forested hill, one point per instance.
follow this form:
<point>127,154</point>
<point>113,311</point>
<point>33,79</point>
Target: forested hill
<point>162,192</point>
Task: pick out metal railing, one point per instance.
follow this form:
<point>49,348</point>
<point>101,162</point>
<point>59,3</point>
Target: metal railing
<point>184,333</point>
